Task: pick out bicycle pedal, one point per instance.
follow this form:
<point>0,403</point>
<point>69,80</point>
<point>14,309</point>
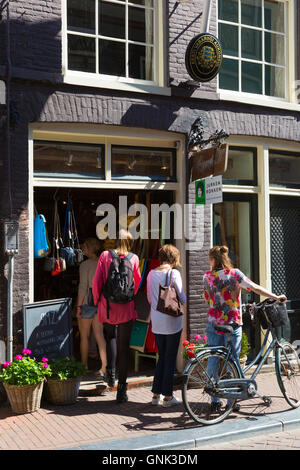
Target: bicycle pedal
<point>267,400</point>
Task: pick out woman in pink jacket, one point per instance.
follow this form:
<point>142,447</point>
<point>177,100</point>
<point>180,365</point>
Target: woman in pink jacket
<point>117,318</point>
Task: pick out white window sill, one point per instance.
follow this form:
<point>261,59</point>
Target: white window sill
<point>257,100</point>
<point>91,80</point>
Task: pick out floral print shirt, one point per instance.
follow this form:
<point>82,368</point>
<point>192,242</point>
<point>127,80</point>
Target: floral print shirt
<point>222,290</point>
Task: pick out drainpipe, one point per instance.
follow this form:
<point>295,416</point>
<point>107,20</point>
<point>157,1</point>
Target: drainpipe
<point>206,15</point>
<point>10,336</point>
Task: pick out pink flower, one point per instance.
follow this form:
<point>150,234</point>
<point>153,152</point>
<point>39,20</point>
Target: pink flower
<point>197,337</point>
<point>44,359</point>
<point>18,357</point>
<point>67,358</point>
<point>204,338</point>
<point>6,364</point>
<point>26,351</point>
<point>45,365</point>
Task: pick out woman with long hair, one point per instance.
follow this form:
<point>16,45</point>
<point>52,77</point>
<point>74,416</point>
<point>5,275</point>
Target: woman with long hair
<point>167,329</point>
<point>222,291</point>
<point>117,318</point>
<point>87,314</point>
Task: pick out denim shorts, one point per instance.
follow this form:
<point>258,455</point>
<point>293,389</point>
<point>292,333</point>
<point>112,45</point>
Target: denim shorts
<point>88,312</point>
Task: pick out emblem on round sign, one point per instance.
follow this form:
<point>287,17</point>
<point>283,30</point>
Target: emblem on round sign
<point>203,57</point>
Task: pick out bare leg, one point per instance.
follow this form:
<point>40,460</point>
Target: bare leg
<point>99,336</point>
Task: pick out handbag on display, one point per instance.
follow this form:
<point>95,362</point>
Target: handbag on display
<point>53,264</point>
<point>67,252</point>
<point>168,300</point>
<point>79,256</point>
<point>41,244</point>
<point>73,256</point>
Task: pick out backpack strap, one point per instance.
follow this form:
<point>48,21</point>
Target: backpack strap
<point>129,256</point>
<point>113,254</point>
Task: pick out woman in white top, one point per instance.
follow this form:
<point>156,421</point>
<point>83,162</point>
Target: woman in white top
<point>87,314</point>
<point>167,329</point>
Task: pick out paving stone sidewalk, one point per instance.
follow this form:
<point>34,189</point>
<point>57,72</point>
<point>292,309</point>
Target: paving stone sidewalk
<point>99,418</point>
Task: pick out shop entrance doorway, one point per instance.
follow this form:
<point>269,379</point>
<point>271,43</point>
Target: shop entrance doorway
<point>85,203</point>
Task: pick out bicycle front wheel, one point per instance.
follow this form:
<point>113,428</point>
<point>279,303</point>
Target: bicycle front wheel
<point>288,373</point>
<point>196,395</point>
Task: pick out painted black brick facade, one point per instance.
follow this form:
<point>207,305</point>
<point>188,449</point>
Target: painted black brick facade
<point>41,96</point>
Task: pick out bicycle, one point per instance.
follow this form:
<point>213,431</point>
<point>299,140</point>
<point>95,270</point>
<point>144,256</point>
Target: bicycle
<point>216,372</point>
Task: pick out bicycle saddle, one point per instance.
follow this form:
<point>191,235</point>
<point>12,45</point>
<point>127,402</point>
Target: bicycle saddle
<point>224,328</point>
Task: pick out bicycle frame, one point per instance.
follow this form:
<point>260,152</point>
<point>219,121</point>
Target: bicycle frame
<point>240,388</point>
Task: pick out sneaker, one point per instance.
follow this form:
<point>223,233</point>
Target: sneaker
<point>172,402</point>
<point>100,375</point>
<point>110,377</point>
<point>156,401</point>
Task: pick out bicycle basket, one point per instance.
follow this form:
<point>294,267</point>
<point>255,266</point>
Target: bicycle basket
<point>271,312</point>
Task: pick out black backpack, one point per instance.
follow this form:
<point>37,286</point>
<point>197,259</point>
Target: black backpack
<point>119,285</point>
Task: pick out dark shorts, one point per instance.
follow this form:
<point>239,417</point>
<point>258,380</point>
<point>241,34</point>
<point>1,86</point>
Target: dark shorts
<point>88,312</point>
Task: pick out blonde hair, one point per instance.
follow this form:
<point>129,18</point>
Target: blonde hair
<point>220,256</point>
<point>169,254</point>
<point>93,245</point>
<point>124,242</point>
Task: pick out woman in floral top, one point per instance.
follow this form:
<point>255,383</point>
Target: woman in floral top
<point>222,291</point>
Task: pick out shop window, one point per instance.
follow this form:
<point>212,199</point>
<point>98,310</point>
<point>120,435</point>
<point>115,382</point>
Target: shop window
<point>234,225</point>
<point>241,166</point>
<point>112,38</point>
<point>253,36</point>
<point>284,169</point>
<point>62,159</point>
<point>143,163</point>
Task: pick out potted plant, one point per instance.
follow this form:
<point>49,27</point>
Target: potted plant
<point>244,349</point>
<point>23,380</point>
<point>62,386</point>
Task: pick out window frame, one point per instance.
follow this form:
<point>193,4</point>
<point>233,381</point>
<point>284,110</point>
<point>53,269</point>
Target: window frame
<point>282,153</point>
<point>79,176</point>
<point>239,182</point>
<point>145,178</point>
<point>159,82</point>
<point>289,67</point>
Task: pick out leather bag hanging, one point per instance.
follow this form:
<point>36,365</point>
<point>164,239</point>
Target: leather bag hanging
<point>168,300</point>
<point>67,252</point>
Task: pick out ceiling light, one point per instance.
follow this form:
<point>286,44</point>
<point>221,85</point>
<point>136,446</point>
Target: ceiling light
<point>69,162</point>
<point>132,163</point>
<point>99,163</point>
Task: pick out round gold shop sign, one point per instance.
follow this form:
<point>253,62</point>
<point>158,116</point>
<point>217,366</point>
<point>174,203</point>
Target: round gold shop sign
<point>203,57</point>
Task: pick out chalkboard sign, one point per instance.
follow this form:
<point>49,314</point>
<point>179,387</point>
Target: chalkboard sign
<point>48,328</point>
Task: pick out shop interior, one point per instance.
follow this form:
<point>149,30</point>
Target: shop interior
<point>85,203</point>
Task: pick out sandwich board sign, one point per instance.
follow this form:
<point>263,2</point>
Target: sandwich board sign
<point>48,328</point>
<point>208,190</point>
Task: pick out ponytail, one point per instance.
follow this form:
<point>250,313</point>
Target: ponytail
<point>220,256</point>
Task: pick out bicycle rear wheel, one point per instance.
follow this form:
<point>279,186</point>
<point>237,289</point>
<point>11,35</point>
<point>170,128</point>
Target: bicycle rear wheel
<point>195,392</point>
<point>288,373</point>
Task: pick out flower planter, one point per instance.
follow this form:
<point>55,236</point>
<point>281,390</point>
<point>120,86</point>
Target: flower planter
<point>24,398</point>
<point>62,392</point>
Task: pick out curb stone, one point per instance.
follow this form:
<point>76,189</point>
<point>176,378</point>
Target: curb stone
<point>196,437</point>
